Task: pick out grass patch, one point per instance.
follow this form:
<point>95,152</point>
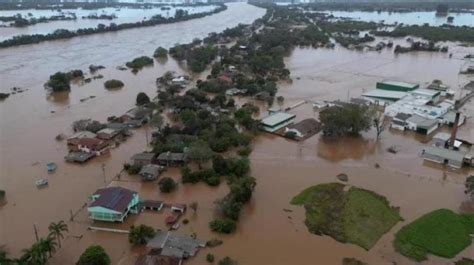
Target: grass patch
<point>356,216</point>
<point>442,232</point>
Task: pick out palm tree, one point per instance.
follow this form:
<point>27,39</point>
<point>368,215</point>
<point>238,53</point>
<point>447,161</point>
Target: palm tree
<point>36,255</point>
<point>56,230</point>
<point>4,259</point>
<point>48,245</point>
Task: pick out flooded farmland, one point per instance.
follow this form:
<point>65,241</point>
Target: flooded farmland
<point>266,233</point>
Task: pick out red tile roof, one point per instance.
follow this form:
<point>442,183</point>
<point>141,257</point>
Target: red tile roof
<point>91,143</point>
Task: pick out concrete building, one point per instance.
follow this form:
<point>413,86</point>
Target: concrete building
<point>277,121</point>
<point>421,124</point>
<point>399,122</point>
<point>142,159</point>
<point>454,159</point>
<point>150,172</point>
<point>384,96</point>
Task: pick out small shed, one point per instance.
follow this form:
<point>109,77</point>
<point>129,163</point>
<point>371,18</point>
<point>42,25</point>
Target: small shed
<point>150,172</point>
<point>305,128</point>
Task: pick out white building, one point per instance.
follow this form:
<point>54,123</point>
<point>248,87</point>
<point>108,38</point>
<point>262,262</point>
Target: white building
<point>277,121</point>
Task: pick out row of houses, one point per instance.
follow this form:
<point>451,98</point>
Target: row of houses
<point>83,145</point>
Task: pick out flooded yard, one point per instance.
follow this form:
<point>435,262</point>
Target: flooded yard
<point>266,233</point>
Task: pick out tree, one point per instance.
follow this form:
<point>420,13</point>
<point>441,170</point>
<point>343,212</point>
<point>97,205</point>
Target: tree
<point>48,245</point>
<point>113,84</point>
<point>199,152</point>
<point>142,99</point>
<point>160,52</point>
<point>379,121</point>
<point>280,101</point>
<point>94,255</point>
<point>56,230</point>
<point>226,226</point>
<point>140,234</point>
<point>167,184</point>
<point>345,119</point>
<point>210,258</point>
<point>4,259</point>
<point>156,120</point>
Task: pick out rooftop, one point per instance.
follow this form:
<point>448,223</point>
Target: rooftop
<point>385,94</point>
<point>444,153</point>
<point>143,156</point>
<point>277,118</point>
<point>175,245</point>
<point>82,134</point>
<point>399,83</point>
<point>113,198</point>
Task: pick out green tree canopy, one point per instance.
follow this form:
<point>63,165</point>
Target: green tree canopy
<point>94,255</point>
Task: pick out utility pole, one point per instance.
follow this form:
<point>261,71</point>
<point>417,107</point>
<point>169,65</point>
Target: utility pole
<point>36,232</point>
<point>103,174</point>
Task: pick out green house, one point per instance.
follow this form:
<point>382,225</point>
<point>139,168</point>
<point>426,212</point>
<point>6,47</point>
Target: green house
<point>396,86</point>
<point>113,204</point>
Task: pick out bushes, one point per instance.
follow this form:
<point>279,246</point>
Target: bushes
<point>140,234</point>
<point>113,84</point>
<point>167,184</point>
<point>60,81</point>
<point>94,255</point>
<point>139,62</point>
<point>207,175</point>
<point>231,167</point>
<point>132,169</point>
<point>225,226</point>
<point>160,52</point>
<point>210,258</point>
<point>227,261</point>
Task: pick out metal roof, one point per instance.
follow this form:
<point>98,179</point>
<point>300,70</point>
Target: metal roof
<point>386,94</point>
<point>277,118</point>
<point>444,153</point>
<point>399,83</point>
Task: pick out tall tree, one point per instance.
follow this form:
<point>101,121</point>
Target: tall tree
<point>379,121</point>
<point>57,229</point>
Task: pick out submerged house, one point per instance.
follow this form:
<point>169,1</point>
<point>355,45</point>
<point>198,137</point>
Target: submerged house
<point>92,146</point>
<point>277,121</point>
<point>107,134</point>
<point>142,159</point>
<point>172,159</point>
<point>150,172</point>
<point>151,259</point>
<point>304,128</point>
<point>136,117</point>
<point>173,245</point>
<point>113,204</point>
<point>73,140</point>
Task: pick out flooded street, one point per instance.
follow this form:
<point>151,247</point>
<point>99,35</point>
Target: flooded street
<point>266,233</point>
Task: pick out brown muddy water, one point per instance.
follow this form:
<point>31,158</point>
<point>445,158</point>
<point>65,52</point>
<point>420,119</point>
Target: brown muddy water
<point>266,234</point>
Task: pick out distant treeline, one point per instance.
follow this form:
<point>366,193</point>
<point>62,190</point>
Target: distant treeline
<point>180,15</point>
<point>392,6</point>
<point>54,5</point>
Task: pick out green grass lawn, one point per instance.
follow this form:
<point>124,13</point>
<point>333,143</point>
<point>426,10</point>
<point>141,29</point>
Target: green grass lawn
<point>357,216</point>
<point>442,232</point>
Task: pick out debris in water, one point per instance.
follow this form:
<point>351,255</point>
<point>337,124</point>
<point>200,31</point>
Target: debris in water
<point>287,210</point>
<point>60,137</point>
<point>377,165</point>
<point>343,177</point>
<point>214,243</point>
<point>392,149</point>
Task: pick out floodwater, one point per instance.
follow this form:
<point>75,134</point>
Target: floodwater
<point>410,18</point>
<point>266,233</point>
<point>124,15</point>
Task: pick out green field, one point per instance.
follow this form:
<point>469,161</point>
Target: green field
<point>442,233</point>
<point>356,216</point>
